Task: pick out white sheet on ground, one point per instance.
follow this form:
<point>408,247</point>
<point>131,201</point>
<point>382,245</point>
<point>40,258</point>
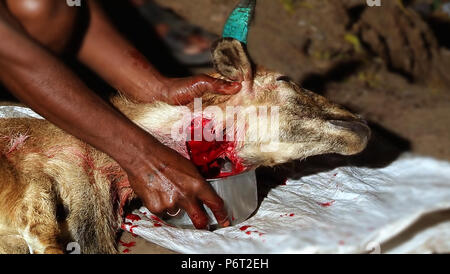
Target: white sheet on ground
<point>17,112</point>
<point>346,210</point>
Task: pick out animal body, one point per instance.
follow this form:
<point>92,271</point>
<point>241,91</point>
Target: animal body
<point>55,189</point>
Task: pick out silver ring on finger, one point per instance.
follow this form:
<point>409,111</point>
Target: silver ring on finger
<point>173,215</point>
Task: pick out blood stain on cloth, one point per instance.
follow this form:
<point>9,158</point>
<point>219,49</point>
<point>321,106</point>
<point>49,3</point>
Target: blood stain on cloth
<point>158,222</point>
<point>131,230</point>
<point>245,227</point>
<point>126,250</point>
<point>154,218</point>
<point>327,204</point>
<point>133,217</point>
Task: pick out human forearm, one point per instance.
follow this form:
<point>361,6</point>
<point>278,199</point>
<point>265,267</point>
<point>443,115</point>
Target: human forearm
<point>116,60</point>
<point>111,56</point>
<point>56,93</point>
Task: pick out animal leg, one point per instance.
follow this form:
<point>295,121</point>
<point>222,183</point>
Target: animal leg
<point>13,244</point>
<point>37,218</point>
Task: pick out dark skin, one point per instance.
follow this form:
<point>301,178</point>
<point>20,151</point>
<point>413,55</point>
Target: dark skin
<point>34,32</point>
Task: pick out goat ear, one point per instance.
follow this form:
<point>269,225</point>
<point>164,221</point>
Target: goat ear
<point>231,60</point>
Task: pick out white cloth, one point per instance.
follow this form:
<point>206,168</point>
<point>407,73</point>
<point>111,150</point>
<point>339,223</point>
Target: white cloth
<point>346,210</point>
<point>18,112</point>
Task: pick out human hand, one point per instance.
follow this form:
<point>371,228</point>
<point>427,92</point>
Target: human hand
<point>171,182</point>
<point>182,91</point>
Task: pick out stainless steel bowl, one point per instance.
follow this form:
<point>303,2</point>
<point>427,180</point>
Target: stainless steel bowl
<point>240,195</point>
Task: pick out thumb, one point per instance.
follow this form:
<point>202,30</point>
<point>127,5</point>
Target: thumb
<point>221,86</point>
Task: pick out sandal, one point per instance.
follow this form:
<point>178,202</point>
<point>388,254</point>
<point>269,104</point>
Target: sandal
<point>189,44</point>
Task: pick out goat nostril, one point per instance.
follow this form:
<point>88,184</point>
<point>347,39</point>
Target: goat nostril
<point>359,127</point>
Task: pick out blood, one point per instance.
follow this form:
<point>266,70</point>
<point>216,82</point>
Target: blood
<point>154,218</point>
<point>130,244</point>
<point>139,59</point>
<point>210,156</point>
<point>15,143</point>
<point>244,228</point>
<point>126,250</point>
<point>158,221</point>
<point>133,217</point>
<point>131,230</point>
<point>291,215</point>
<point>327,204</point>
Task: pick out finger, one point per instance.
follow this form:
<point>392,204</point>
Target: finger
<point>209,84</point>
<point>197,214</point>
<point>225,87</point>
<point>210,198</point>
<point>153,203</point>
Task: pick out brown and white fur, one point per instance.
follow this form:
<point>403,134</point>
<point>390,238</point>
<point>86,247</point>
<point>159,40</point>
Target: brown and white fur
<point>55,189</point>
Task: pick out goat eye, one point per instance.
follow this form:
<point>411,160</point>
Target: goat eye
<point>284,79</point>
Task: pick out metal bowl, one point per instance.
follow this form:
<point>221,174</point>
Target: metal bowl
<point>240,195</point>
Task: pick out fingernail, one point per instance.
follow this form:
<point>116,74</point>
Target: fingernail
<point>233,87</point>
<point>236,85</point>
<point>227,223</point>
